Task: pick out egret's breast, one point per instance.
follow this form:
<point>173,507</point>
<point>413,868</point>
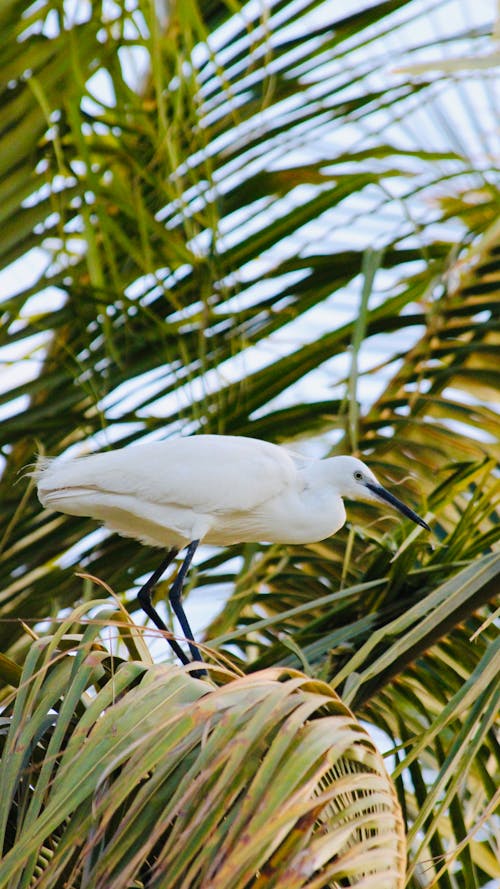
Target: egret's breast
<point>294,517</point>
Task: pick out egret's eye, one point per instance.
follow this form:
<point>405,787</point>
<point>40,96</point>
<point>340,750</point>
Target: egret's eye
<point>358,476</point>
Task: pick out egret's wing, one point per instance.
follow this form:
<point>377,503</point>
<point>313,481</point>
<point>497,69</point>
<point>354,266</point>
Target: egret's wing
<point>207,473</point>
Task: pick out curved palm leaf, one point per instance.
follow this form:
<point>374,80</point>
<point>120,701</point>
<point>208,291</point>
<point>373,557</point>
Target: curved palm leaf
<point>144,775</point>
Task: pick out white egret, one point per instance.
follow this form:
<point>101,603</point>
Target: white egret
<point>216,489</point>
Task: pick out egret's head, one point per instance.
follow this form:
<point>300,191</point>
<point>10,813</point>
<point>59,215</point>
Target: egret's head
<point>355,481</point>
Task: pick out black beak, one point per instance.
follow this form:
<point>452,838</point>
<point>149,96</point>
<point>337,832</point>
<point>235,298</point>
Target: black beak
<point>397,504</point>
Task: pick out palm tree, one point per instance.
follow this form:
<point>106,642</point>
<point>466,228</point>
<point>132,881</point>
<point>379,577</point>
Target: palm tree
<point>281,221</point>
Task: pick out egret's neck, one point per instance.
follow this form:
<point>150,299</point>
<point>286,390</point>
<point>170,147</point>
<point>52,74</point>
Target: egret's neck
<point>315,509</point>
<point>320,474</point>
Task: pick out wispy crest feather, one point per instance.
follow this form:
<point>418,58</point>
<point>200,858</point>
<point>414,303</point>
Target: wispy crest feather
<point>35,470</point>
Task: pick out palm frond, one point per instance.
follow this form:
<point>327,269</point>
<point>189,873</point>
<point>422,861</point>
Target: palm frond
<point>264,780</point>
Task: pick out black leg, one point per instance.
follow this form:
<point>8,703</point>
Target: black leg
<point>175,596</point>
<point>144,596</point>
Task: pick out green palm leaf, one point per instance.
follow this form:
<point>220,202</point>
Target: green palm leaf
<point>274,222</point>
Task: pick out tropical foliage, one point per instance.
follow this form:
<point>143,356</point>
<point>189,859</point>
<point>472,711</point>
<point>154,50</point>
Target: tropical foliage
<point>268,775</point>
<point>276,220</point>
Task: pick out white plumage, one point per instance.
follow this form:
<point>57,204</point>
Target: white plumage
<point>211,488</point>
